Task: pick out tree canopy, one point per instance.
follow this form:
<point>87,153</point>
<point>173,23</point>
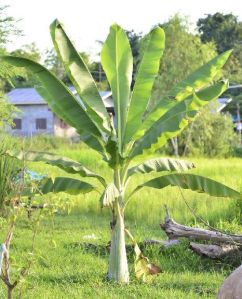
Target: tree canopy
<point>225,30</point>
<point>8,27</point>
<point>178,62</point>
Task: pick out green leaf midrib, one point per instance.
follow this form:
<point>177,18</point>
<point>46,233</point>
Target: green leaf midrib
<point>118,96</point>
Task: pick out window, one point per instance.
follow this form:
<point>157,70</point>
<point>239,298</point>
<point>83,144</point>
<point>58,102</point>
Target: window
<point>17,124</point>
<point>41,124</point>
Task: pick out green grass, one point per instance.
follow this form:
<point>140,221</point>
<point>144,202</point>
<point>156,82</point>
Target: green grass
<point>71,270</point>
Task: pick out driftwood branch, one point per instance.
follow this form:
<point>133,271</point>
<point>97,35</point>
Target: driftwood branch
<point>220,244</point>
<point>175,231</point>
<point>213,251</point>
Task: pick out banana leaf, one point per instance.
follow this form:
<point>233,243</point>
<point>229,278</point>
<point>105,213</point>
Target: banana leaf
<point>66,164</point>
<point>161,164</point>
<point>144,81</point>
<point>117,62</point>
<point>66,185</point>
<point>192,182</point>
<point>58,96</point>
<point>80,76</point>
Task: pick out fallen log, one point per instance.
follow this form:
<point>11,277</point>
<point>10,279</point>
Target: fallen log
<point>175,231</point>
<point>213,251</point>
<point>209,250</point>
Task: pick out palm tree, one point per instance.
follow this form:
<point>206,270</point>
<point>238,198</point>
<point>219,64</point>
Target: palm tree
<point>139,128</point>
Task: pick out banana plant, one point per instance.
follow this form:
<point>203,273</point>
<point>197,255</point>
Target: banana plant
<point>138,130</point>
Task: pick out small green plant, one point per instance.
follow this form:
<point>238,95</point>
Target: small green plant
<point>138,129</point>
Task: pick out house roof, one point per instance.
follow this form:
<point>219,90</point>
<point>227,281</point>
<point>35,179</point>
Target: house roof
<point>29,96</point>
<point>24,96</point>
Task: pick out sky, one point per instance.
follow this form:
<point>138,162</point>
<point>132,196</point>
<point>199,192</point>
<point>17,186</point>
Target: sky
<point>87,21</point>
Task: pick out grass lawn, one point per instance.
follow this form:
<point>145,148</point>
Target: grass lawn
<point>66,268</point>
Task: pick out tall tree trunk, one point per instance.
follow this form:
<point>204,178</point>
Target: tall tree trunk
<point>174,142</point>
<point>188,139</point>
<point>118,263</point>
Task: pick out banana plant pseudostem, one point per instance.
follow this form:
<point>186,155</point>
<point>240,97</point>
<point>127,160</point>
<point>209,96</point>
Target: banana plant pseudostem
<point>138,127</point>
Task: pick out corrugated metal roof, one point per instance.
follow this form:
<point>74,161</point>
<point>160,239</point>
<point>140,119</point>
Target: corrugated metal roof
<point>24,96</point>
<point>29,96</point>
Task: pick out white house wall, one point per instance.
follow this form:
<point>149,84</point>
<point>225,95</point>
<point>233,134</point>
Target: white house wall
<point>29,114</point>
<point>63,132</point>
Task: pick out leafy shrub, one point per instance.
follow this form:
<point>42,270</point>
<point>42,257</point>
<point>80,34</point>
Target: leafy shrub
<point>211,134</point>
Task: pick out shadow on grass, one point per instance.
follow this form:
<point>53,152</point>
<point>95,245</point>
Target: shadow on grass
<point>89,248</point>
<point>97,249</point>
<point>181,258</point>
<point>65,278</point>
<point>176,259</point>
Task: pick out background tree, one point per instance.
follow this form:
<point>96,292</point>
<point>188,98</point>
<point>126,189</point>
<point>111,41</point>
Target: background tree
<point>8,29</point>
<point>52,62</point>
<point>99,76</point>
<point>30,51</point>
<point>178,61</point>
<point>135,44</point>
<point>223,29</point>
<point>211,134</point>
<point>226,32</point>
<point>25,79</point>
<point>183,54</point>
